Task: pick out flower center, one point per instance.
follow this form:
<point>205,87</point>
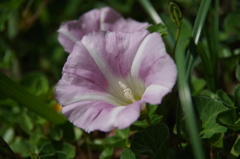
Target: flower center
<point>127,91</point>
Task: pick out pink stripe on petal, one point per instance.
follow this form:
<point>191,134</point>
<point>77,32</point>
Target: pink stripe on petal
<point>116,50</point>
<point>80,63</point>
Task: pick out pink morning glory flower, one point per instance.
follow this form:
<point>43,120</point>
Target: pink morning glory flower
<point>95,20</point>
<point>110,76</point>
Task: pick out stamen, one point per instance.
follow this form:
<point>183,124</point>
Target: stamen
<point>127,91</point>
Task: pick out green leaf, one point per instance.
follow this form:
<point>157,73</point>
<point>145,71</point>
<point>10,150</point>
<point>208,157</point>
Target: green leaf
<point>175,13</point>
<point>232,23</point>
<point>217,140</point>
<point>154,120</point>
<point>116,141</point>
<point>128,154</point>
<point>238,72</point>
<point>56,133</point>
<point>209,93</point>
<point>208,110</point>
<point>225,98</point>
<point>22,146</point>
<point>229,119</point>
<point>26,123</point>
<point>237,94</point>
<point>124,133</point>
<point>20,95</point>
<point>236,147</point>
<point>36,83</point>
<point>159,28</point>
<point>106,153</point>
<point>151,141</point>
<point>197,85</point>
<point>50,148</point>
<point>8,134</point>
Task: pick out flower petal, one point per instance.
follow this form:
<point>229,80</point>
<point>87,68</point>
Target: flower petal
<point>95,115</point>
<point>72,31</point>
<point>114,51</point>
<point>113,21</point>
<point>72,89</point>
<point>155,67</point>
<point>95,20</point>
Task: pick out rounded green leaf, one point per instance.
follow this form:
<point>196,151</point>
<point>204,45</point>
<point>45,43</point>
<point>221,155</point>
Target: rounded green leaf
<point>151,141</point>
<point>128,154</point>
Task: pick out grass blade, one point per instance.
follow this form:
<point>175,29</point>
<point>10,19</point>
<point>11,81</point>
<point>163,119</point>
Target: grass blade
<point>197,29</point>
<point>208,67</point>
<point>186,101</point>
<point>20,95</point>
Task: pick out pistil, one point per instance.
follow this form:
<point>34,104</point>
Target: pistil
<point>127,91</point>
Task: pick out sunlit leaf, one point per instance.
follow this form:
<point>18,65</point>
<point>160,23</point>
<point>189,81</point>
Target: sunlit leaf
<point>159,28</point>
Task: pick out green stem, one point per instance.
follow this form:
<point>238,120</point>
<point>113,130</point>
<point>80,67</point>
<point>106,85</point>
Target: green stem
<point>148,120</point>
<point>178,124</point>
<point>176,40</point>
<point>151,11</point>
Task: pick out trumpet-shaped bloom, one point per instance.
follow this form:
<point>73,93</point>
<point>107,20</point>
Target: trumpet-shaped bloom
<point>110,76</point>
<point>95,20</point>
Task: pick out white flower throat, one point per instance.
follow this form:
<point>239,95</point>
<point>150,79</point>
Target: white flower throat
<point>127,91</point>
